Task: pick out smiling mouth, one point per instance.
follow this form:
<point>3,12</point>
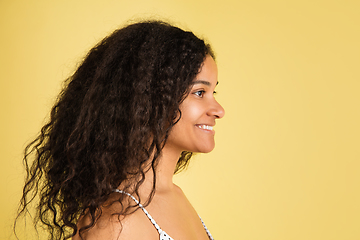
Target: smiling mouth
<point>206,127</point>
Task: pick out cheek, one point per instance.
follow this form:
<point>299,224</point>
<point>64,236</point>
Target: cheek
<point>191,113</point>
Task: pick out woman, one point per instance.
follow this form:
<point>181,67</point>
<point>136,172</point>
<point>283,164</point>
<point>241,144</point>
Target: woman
<point>129,118</point>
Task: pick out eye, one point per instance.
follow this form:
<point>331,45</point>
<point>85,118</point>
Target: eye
<point>199,93</point>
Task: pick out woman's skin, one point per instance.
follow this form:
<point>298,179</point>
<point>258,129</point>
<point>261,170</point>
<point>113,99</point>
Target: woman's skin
<point>169,206</point>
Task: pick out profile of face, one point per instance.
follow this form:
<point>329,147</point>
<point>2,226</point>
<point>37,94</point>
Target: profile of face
<point>194,132</point>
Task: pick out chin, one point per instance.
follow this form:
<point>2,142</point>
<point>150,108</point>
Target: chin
<point>206,149</point>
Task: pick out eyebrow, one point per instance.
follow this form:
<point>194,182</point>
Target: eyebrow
<point>203,82</point>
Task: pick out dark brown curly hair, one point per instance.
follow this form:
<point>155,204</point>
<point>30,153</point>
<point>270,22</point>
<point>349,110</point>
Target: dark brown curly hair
<point>114,114</point>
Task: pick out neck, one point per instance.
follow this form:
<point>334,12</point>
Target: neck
<point>164,172</point>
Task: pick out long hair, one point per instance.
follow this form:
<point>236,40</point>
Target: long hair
<point>114,114</point>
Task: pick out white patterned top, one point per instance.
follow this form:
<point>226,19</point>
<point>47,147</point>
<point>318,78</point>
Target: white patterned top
<point>163,234</point>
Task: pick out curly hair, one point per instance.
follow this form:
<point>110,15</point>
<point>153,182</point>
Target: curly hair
<point>114,114</point>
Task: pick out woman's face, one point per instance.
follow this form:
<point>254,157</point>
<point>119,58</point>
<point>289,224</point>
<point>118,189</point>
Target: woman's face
<point>194,132</point>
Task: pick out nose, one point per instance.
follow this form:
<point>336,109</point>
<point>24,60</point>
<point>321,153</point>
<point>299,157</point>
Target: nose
<point>216,110</point>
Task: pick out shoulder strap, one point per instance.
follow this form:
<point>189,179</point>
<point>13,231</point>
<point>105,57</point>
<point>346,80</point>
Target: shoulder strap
<point>206,229</point>
<point>163,234</point>
<point>144,210</point>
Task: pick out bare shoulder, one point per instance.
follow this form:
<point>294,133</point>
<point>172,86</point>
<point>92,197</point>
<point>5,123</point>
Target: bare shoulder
<point>111,226</point>
<point>108,226</point>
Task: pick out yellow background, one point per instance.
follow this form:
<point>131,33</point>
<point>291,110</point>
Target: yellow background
<point>286,165</point>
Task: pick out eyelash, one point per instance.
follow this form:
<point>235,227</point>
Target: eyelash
<point>201,93</point>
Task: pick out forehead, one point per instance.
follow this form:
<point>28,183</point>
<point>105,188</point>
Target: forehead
<point>208,73</point>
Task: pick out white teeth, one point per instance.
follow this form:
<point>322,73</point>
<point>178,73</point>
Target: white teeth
<point>207,127</point>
